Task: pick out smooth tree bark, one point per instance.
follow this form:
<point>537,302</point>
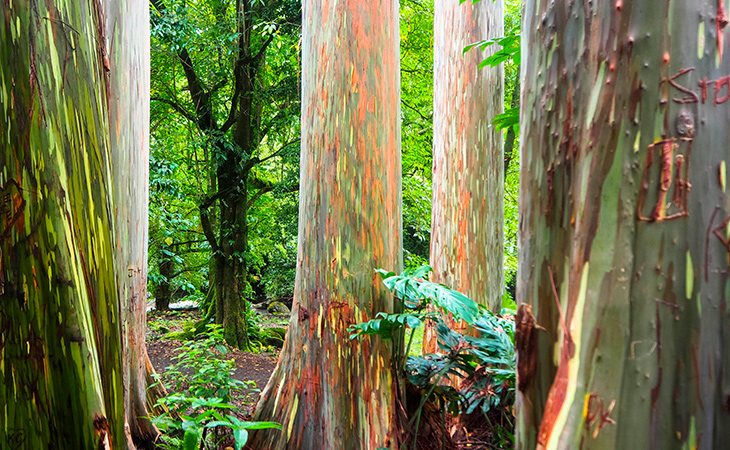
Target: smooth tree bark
<point>468,192</point>
<point>623,280</point>
<point>127,33</point>
<point>328,391</point>
<point>60,353</point>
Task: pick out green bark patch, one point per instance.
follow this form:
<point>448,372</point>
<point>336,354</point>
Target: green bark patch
<point>59,331</point>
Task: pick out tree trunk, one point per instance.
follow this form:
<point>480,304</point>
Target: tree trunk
<point>233,212</point>
<point>127,32</point>
<point>511,135</point>
<point>60,320</point>
<point>624,236</point>
<point>329,391</point>
<point>232,177</point>
<point>163,290</point>
<point>468,191</point>
<point>229,300</point>
<point>227,279</point>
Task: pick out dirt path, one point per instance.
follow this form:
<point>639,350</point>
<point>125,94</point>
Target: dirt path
<point>249,366</point>
<point>255,367</point>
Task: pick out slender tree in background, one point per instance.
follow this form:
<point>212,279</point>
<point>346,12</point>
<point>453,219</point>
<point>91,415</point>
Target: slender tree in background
<point>59,320</point>
<point>623,278</point>
<point>166,267</point>
<point>127,33</point>
<point>468,166</point>
<point>329,391</point>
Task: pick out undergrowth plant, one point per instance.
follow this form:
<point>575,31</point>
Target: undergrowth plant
<point>198,412</point>
<point>481,359</point>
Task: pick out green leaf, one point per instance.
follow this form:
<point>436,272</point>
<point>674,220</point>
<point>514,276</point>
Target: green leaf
<point>261,425</point>
<point>413,321</point>
<point>384,273</point>
<point>238,423</point>
<point>191,438</point>
<point>383,326</point>
<point>456,303</point>
<point>218,423</point>
<point>510,50</point>
<point>241,437</point>
<point>212,402</point>
<point>508,119</point>
<point>420,272</point>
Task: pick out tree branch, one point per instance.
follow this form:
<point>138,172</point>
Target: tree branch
<point>177,107</point>
<point>258,195</point>
<point>231,119</point>
<point>187,269</point>
<point>239,66</point>
<point>276,153</point>
<point>208,202</point>
<point>262,134</point>
<point>265,187</point>
<point>412,108</point>
<point>219,85</point>
<point>178,244</point>
<point>201,99</point>
<point>262,50</point>
<point>208,229</point>
<point>280,188</point>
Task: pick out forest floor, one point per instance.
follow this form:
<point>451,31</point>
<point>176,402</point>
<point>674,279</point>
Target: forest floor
<point>167,331</point>
<point>164,338</point>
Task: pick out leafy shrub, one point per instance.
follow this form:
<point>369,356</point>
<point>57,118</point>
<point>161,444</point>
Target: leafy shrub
<point>482,359</point>
<point>202,387</point>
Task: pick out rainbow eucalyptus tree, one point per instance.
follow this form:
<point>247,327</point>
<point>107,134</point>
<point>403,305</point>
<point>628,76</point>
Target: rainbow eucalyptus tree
<point>468,166</point>
<point>466,223</point>
<point>623,277</point>
<point>59,322</point>
<point>73,93</point>
<point>329,391</point>
<point>127,33</point>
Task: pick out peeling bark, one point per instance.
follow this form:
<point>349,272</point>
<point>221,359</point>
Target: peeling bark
<point>329,391</point>
<point>467,213</point>
<point>623,151</point>
<point>60,364</point>
<point>467,219</point>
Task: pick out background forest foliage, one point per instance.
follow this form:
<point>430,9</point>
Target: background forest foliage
<point>185,155</point>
